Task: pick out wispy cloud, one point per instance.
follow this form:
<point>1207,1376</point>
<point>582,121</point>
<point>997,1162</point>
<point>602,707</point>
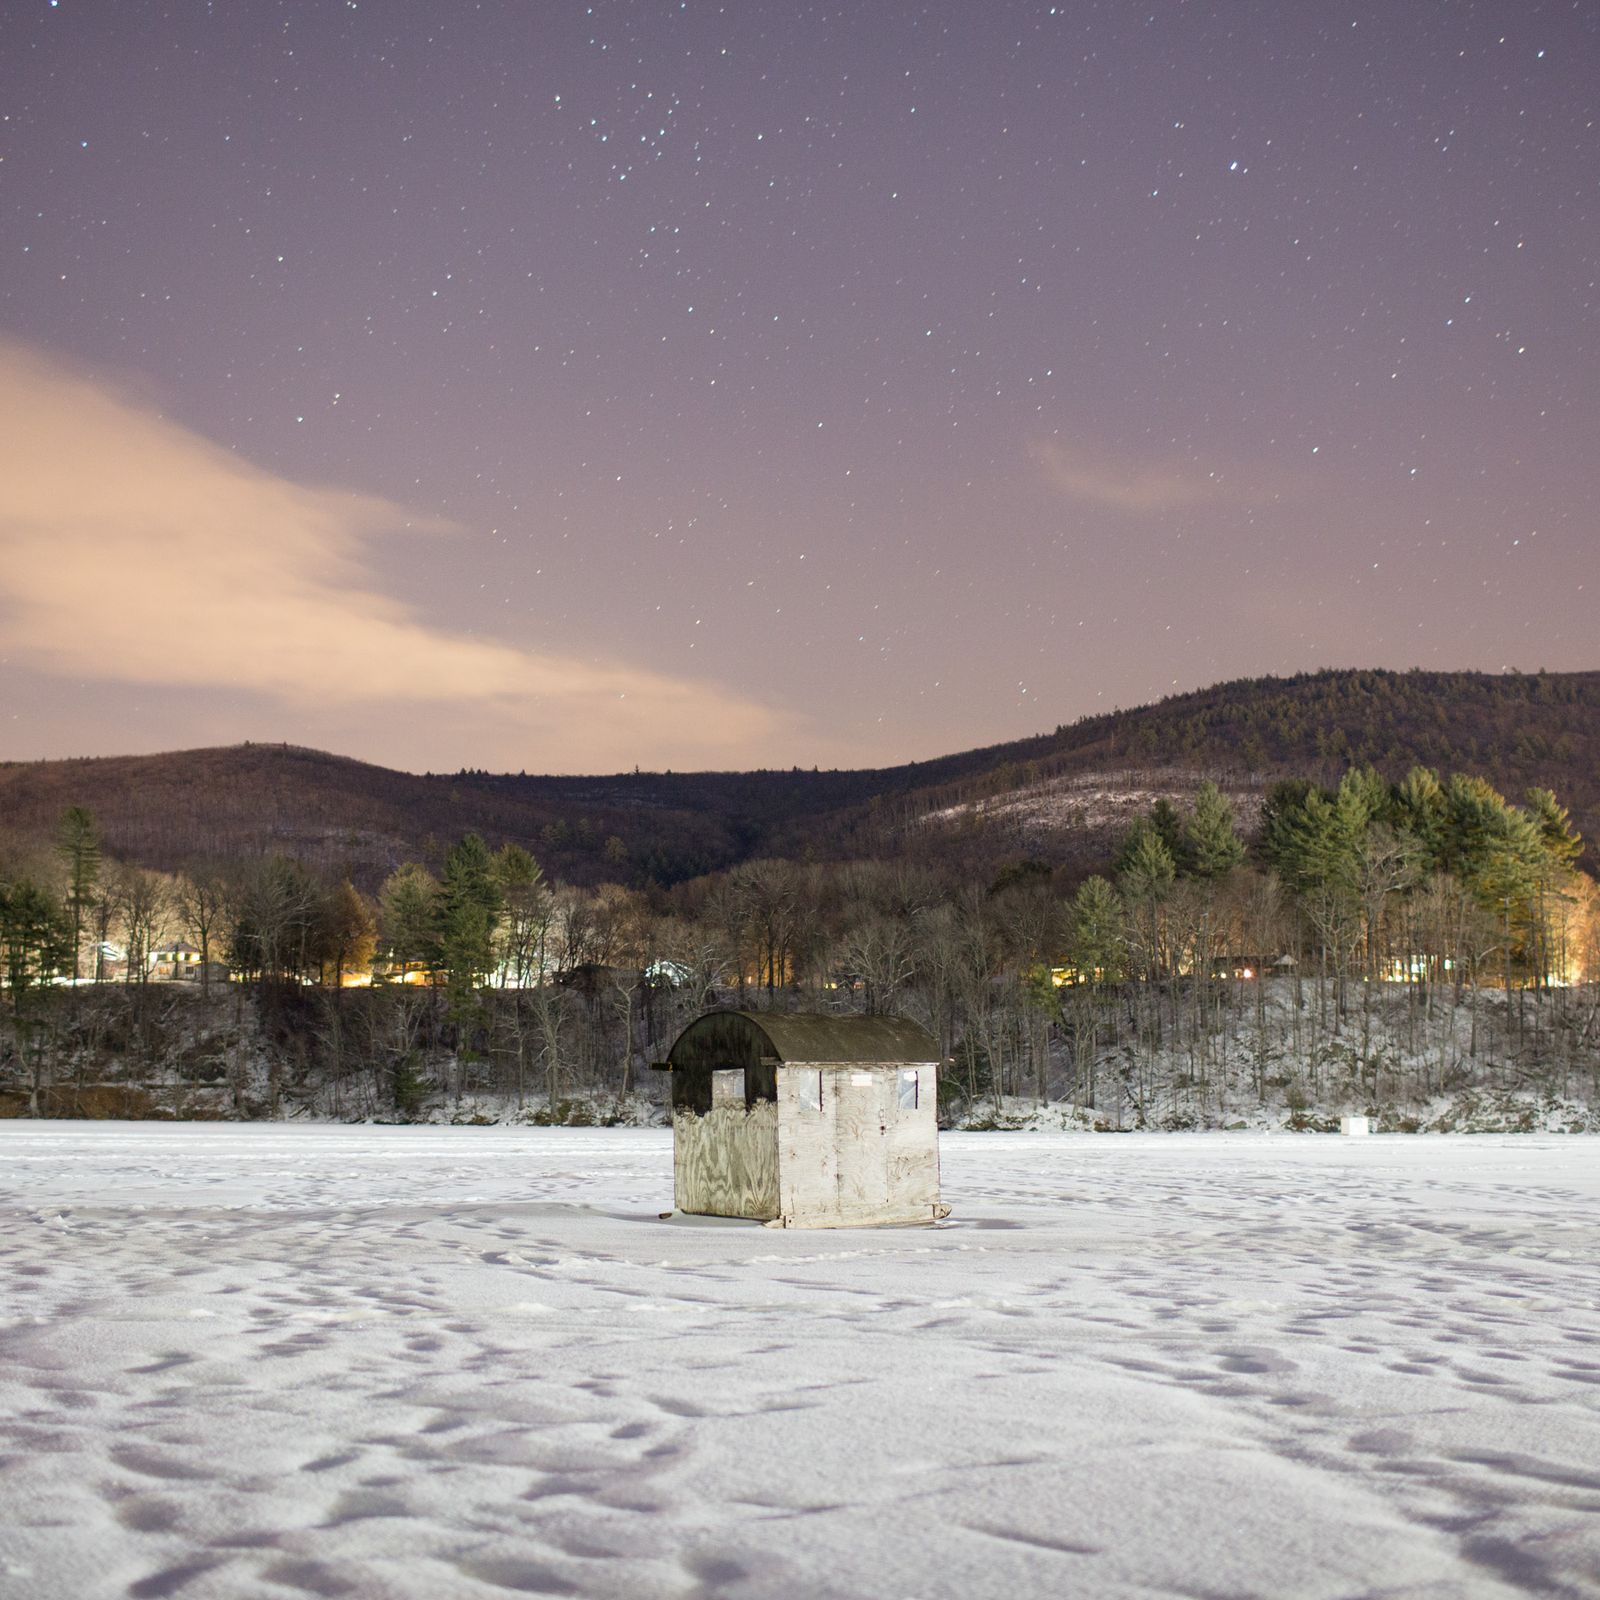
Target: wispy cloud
<point>134,551</point>
<point>1140,487</point>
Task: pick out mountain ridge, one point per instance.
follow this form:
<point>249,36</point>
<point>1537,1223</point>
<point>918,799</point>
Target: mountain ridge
<point>343,814</point>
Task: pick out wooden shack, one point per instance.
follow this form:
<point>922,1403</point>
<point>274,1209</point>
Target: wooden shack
<point>805,1121</point>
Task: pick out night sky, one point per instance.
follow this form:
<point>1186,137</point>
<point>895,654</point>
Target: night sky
<point>568,387</point>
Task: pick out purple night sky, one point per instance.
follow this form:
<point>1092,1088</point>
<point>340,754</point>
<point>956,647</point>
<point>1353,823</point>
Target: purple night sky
<point>564,387</point>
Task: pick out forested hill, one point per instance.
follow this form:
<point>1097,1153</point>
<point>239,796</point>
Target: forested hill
<point>1057,794</point>
<point>1517,730</point>
<point>1539,728</point>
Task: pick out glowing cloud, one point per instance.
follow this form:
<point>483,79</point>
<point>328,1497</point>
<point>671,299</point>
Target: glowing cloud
<point>134,551</point>
<point>1098,478</point>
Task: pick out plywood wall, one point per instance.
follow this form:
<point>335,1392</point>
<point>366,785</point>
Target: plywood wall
<point>726,1161</point>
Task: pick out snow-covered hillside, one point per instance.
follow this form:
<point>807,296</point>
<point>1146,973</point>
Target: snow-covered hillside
<point>467,1362</point>
<point>1099,803</point>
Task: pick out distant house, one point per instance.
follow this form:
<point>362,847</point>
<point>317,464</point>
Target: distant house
<point>1237,966</point>
<point>172,963</point>
<point>110,962</point>
<point>180,962</point>
<point>669,974</point>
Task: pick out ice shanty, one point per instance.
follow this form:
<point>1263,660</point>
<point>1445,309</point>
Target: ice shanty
<point>805,1121</point>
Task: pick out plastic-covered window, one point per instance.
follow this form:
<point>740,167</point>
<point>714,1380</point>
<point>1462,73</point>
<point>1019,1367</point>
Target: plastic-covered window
<point>727,1086</point>
<point>908,1091</point>
<point>810,1087</point>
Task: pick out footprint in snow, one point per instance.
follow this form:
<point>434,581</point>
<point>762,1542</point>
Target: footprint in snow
<point>148,1464</point>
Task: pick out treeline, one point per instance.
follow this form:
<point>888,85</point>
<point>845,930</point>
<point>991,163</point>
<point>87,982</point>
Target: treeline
<point>1378,942</point>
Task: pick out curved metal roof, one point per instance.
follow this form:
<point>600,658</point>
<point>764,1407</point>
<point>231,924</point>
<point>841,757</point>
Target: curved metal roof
<point>746,1037</point>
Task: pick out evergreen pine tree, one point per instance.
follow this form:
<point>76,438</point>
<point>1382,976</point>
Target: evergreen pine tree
<point>1419,813</point>
<point>1562,842</point>
<point>1282,817</point>
<point>1169,830</point>
<point>469,906</point>
<point>35,945</point>
<point>1214,847</point>
<point>1148,869</point>
<point>78,845</point>
<point>408,917</point>
<point>1098,943</point>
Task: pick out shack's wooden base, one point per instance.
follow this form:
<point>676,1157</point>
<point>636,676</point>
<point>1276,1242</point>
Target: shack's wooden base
<point>920,1219</point>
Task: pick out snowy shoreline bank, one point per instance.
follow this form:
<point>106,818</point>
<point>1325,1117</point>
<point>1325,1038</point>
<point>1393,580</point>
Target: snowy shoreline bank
<point>1474,1112</point>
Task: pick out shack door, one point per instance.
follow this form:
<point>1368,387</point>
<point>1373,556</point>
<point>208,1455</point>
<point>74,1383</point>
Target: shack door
<point>864,1115</point>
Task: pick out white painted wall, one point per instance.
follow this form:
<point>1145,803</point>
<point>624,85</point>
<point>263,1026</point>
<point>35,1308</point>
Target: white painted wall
<point>862,1157</point>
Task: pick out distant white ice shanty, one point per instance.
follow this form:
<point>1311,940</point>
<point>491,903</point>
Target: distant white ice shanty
<point>801,1120</point>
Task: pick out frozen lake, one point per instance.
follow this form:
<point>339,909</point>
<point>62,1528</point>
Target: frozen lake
<point>261,1361</point>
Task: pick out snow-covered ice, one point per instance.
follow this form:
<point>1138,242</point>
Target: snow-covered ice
<point>266,1361</point>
